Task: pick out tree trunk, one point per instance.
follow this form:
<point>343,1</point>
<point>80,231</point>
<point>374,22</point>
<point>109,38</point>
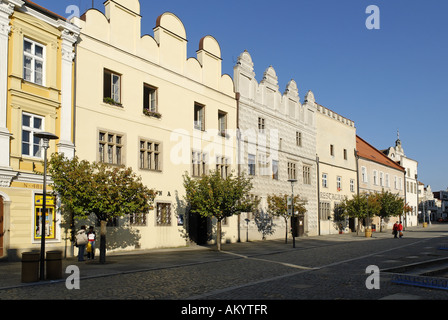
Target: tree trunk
<point>103,242</point>
<point>218,235</point>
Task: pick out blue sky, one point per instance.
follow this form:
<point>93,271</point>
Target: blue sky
<point>387,79</point>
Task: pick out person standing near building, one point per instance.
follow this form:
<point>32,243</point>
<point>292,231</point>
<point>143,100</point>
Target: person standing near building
<point>400,230</point>
<point>91,236</point>
<point>81,242</point>
<point>395,230</point>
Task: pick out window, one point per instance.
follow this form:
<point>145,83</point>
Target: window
<point>298,139</point>
<point>251,162</point>
<point>381,178</point>
<point>112,87</point>
<point>375,177</point>
<point>198,163</point>
<point>33,62</point>
<point>364,174</point>
<point>260,125</point>
<point>149,98</point>
<point>387,180</point>
<point>163,214</point>
<point>339,183</point>
<point>222,123</point>
<point>306,174</point>
<point>324,180</point>
<point>292,170</point>
<point>199,117</point>
<point>31,124</point>
<point>324,210</point>
<point>264,167</point>
<point>345,154</point>
<point>331,150</point>
<point>352,185</point>
<point>275,169</point>
<point>137,219</point>
<point>110,148</point>
<point>150,155</point>
<point>222,166</point>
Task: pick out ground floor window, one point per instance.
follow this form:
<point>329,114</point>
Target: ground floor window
<point>163,214</point>
<point>50,218</point>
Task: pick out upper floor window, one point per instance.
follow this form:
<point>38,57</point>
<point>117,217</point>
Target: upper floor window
<point>31,124</point>
<point>331,150</point>
<point>292,170</point>
<point>306,174</point>
<point>150,154</point>
<point>251,161</point>
<point>222,123</point>
<point>261,125</point>
<point>112,87</point>
<point>149,99</point>
<point>298,138</point>
<point>33,62</point>
<point>199,117</point>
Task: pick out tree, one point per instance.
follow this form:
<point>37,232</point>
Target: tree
<point>106,191</point>
<point>278,206</point>
<point>391,204</point>
<point>213,196</point>
<point>361,206</point>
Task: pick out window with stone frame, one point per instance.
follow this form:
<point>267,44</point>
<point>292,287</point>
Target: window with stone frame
<point>150,155</point>
<point>163,214</point>
<point>110,147</point>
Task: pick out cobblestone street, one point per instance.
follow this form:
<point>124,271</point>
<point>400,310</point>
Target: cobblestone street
<point>319,268</point>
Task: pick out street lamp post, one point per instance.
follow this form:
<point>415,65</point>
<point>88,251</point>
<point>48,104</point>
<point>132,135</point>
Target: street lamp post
<point>46,137</point>
<point>292,211</point>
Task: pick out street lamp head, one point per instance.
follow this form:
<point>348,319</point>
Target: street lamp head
<point>292,180</point>
<point>46,137</point>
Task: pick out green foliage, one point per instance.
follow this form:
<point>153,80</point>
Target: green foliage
<point>391,204</point>
<point>213,196</point>
<point>278,206</point>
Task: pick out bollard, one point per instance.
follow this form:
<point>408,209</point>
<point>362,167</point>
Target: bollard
<point>54,265</point>
<point>368,232</point>
<point>30,266</point>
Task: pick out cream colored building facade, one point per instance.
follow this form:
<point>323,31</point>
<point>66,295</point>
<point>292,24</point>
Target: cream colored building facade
<point>141,103</point>
<point>377,172</point>
<point>337,174</point>
<point>276,142</point>
<point>36,95</point>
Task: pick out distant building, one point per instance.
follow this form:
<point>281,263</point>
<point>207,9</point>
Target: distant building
<point>377,172</point>
<point>36,85</point>
<point>442,198</point>
<point>410,182</point>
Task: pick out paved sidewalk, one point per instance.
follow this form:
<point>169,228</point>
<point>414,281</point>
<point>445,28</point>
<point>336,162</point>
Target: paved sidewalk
<point>145,260</point>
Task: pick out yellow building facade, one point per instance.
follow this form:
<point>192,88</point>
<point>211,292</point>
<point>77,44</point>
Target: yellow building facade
<point>142,103</point>
<point>36,95</point>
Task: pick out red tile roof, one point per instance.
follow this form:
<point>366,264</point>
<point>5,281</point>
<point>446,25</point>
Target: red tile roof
<point>44,10</point>
<point>366,151</point>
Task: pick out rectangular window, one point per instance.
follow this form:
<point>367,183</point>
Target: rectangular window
<point>339,183</point>
<point>260,125</point>
<point>150,155</point>
<point>352,185</point>
<point>163,214</point>
<point>292,170</point>
<point>31,145</point>
<point>299,139</point>
<point>324,211</point>
<point>364,174</point>
<point>112,87</point>
<point>222,123</point>
<point>110,148</point>
<point>306,174</point>
<point>199,117</point>
<point>137,219</point>
<point>324,180</point>
<point>33,62</point>
<point>198,163</point>
<point>149,98</point>
<point>275,169</point>
<point>331,150</point>
<point>345,154</point>
<point>251,162</point>
<point>375,177</point>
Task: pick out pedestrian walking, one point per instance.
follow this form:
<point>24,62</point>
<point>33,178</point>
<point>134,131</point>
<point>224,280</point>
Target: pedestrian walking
<point>400,230</point>
<point>395,230</point>
<point>81,242</point>
<point>91,236</point>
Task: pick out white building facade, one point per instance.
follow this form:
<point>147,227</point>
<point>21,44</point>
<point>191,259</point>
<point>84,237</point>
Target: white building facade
<point>277,142</point>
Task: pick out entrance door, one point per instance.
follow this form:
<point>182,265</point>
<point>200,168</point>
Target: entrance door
<point>1,226</point>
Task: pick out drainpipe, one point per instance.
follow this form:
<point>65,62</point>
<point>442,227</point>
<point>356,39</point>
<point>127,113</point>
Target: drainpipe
<point>318,193</point>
